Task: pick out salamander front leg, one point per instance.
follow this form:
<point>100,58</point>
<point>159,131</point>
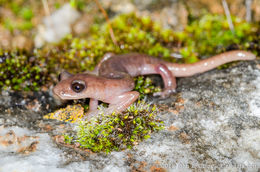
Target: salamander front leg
<point>117,103</point>
<point>93,104</point>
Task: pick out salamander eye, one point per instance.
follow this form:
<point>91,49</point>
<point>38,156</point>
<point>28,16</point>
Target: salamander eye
<point>78,86</point>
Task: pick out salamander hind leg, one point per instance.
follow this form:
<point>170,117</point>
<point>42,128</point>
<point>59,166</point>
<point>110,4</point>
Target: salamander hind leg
<point>169,79</point>
<point>104,58</point>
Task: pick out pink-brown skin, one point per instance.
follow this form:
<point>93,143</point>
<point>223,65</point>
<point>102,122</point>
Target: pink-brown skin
<point>113,82</point>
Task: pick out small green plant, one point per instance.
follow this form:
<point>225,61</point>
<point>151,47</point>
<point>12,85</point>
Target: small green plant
<point>119,131</point>
<point>67,139</point>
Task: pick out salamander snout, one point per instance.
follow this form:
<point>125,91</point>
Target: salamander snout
<point>57,92</point>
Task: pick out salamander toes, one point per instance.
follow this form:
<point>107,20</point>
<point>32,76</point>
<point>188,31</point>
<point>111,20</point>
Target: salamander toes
<point>165,93</point>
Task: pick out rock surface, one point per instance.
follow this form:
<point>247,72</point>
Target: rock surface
<point>212,123</point>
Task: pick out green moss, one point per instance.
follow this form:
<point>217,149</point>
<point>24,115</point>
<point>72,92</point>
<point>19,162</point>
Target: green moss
<point>21,18</point>
<point>119,131</point>
<point>67,139</point>
<point>211,35</point>
<point>26,13</point>
<point>21,72</point>
<point>144,86</point>
<point>79,4</point>
<point>21,25</point>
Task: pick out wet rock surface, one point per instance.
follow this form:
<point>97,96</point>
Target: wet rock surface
<point>212,123</point>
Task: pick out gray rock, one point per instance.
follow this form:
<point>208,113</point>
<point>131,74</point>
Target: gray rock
<point>212,124</point>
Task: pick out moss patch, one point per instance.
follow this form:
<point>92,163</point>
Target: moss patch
<point>119,131</point>
<point>20,72</point>
<point>211,35</point>
<point>144,86</point>
<point>113,132</point>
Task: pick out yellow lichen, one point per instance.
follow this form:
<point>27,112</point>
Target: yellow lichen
<point>71,113</point>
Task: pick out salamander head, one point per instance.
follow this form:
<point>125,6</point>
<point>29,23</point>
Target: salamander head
<point>71,86</point>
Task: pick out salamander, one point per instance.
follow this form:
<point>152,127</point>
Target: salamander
<point>112,81</point>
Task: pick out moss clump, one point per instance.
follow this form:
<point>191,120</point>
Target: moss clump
<point>67,139</point>
<point>21,15</point>
<point>20,72</point>
<point>144,86</point>
<point>211,35</point>
<point>119,131</point>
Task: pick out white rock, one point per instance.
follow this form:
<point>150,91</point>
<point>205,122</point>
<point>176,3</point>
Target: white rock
<point>56,26</point>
